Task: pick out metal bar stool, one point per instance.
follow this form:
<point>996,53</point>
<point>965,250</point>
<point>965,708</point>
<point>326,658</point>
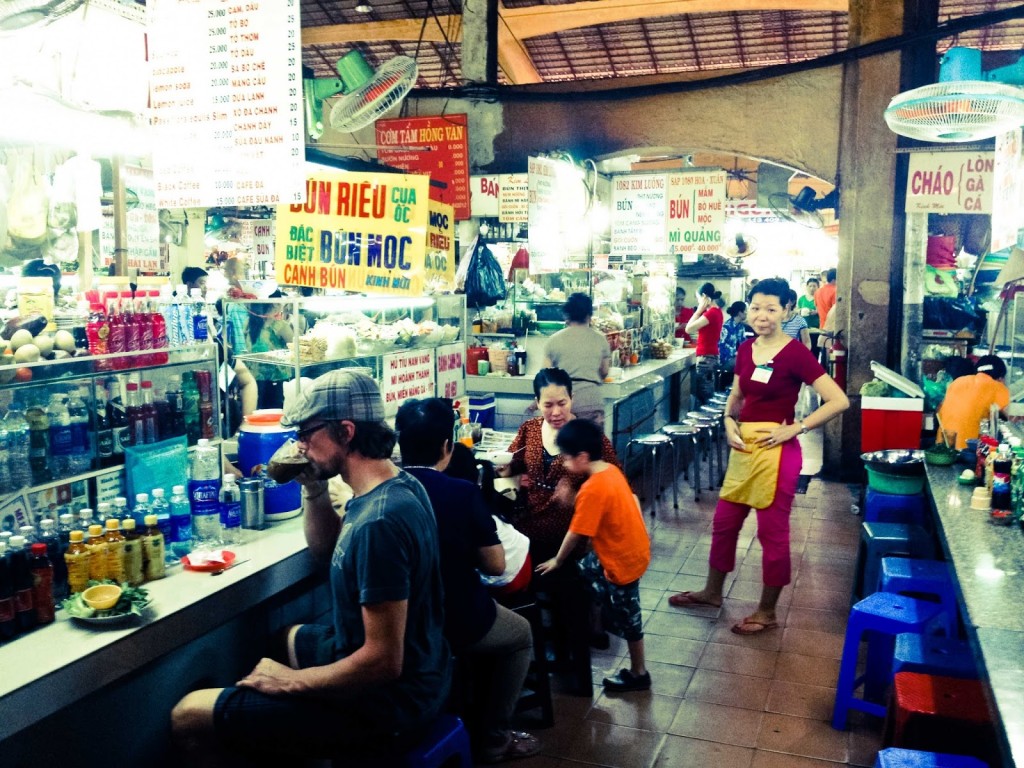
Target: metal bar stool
<point>717,412</point>
<point>650,444</point>
<point>686,436</point>
<point>706,423</point>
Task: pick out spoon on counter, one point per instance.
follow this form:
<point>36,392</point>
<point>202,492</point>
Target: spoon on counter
<point>237,562</point>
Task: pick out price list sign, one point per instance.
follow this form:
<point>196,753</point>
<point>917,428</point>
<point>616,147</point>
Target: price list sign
<point>638,226</point>
<point>407,375</point>
<point>226,102</point>
<point>434,146</point>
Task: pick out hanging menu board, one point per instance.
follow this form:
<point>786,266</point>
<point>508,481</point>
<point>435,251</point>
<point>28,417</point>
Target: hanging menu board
<point>950,182</point>
<point>1006,193</point>
<point>406,375</point>
<point>142,225</point>
<point>435,146</point>
<point>638,226</point>
<point>451,372</point>
<point>514,198</point>
<point>226,102</point>
<point>695,213</point>
<point>557,205</point>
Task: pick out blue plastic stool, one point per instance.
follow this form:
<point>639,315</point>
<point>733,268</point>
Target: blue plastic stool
<point>933,655</point>
<point>880,539</point>
<point>447,739</point>
<point>921,577</point>
<point>894,508</point>
<point>883,615</point>
<point>911,758</point>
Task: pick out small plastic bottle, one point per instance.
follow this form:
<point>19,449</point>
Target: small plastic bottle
<point>85,519</point>
<point>103,512</point>
<point>42,583</point>
<point>24,611</point>
<point>115,552</point>
<point>132,553</point>
<point>160,507</point>
<point>230,509</point>
<point>97,544</point>
<point>121,511</point>
<point>141,510</point>
<point>181,522</point>
<point>153,551</point>
<point>77,559</point>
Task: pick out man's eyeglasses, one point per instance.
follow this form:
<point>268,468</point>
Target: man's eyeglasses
<point>305,433</point>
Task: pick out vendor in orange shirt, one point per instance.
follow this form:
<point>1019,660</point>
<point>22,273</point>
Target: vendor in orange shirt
<point>969,398</point>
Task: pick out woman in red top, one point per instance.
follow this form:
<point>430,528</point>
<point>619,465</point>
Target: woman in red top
<point>706,322</point>
<point>769,371</point>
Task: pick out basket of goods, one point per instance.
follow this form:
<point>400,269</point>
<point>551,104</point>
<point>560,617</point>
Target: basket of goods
<point>312,349</point>
<point>661,349</point>
<point>941,455</point>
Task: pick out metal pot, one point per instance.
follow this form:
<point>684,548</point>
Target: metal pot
<point>895,461</point>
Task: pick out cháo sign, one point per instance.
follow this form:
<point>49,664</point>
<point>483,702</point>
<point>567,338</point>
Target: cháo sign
<point>356,232</point>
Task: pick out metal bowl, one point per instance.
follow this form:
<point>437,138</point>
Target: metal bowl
<point>895,461</point>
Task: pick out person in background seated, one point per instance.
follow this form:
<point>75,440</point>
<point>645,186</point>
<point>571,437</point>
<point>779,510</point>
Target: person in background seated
<point>475,626</point>
<point>194,277</point>
<point>608,514</point>
<point>969,398</point>
<point>378,676</point>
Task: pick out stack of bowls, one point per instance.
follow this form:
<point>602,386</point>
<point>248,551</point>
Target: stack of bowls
<point>895,471</point>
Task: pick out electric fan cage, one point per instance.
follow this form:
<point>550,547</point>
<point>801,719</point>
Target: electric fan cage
<point>964,110</point>
<point>384,90</point>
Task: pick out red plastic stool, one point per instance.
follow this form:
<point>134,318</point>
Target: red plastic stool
<point>940,714</point>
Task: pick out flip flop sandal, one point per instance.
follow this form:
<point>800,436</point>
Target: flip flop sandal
<point>686,599</point>
<point>753,627</point>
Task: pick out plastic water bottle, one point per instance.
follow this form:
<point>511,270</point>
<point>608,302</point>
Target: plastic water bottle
<point>230,509</point>
<point>185,322</point>
<point>160,507</point>
<point>141,510</point>
<point>200,320</point>
<point>181,522</point>
<point>170,309</point>
<point>80,458</point>
<point>204,494</point>
<point>61,436</point>
<point>16,428</point>
<point>5,460</point>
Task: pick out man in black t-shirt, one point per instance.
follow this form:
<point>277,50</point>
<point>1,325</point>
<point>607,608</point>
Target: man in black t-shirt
<point>378,676</point>
<point>475,625</point>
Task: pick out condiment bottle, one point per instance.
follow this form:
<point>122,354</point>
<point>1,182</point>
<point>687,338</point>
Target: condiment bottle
<point>8,623</point>
<point>97,544</point>
<point>24,612</point>
<point>153,551</point>
<point>77,557</point>
<point>1002,495</point>
<point>132,553</point>
<point>42,583</point>
<point>115,551</point>
<point>465,435</point>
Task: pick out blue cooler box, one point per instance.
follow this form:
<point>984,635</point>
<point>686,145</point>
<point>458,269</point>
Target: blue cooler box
<point>482,409</point>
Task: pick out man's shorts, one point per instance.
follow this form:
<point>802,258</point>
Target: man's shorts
<point>620,603</point>
<point>262,726</point>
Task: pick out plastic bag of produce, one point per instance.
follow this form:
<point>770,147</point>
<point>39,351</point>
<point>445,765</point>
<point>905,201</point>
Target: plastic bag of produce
<point>485,282</point>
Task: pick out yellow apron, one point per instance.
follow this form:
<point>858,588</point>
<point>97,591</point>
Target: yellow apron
<point>751,478</point>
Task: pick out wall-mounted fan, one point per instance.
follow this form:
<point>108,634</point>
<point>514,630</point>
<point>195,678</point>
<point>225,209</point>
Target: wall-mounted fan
<point>367,94</point>
<point>965,105</point>
<point>802,208</point>
<point>171,231</point>
<point>19,14</point>
<point>741,247</point>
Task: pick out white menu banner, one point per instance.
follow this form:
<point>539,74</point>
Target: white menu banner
<point>451,373</point>
<point>1006,194</point>
<point>142,231</point>
<point>950,182</point>
<point>514,198</point>
<point>695,213</point>
<point>226,102</point>
<point>404,375</point>
<point>638,211</point>
<point>557,201</point>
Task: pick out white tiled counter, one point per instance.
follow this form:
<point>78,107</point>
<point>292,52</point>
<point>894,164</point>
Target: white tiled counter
<point>69,678</point>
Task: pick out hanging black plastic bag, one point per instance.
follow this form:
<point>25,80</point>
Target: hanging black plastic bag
<point>485,282</point>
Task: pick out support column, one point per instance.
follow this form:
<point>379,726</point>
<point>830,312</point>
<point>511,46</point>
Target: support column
<point>480,41</point>
<point>870,280</point>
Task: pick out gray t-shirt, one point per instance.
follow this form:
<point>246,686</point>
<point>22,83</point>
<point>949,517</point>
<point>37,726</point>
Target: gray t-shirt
<point>387,551</point>
<point>579,351</point>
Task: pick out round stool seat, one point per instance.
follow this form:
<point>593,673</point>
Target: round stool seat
<point>653,438</point>
<point>673,430</point>
<point>696,415</point>
<point>712,409</point>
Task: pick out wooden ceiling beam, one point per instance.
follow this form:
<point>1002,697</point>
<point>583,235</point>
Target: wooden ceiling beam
<point>380,31</point>
<point>513,58</point>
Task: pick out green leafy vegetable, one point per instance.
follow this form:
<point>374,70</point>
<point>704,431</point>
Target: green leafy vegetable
<point>132,600</point>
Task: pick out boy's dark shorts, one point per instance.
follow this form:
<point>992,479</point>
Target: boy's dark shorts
<point>620,603</point>
<point>262,726</point>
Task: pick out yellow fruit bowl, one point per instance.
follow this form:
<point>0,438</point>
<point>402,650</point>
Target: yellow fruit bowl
<point>102,597</point>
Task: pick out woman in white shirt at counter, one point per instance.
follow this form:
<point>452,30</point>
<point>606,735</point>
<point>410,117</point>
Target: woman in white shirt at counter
<point>584,354</point>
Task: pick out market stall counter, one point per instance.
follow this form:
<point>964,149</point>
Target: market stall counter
<point>646,396</point>
<point>72,681</point>
<point>988,563</point>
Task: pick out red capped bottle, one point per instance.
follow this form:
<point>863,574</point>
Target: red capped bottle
<point>42,583</point>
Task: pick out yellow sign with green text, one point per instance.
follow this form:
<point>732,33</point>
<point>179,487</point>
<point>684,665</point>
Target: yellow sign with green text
<point>364,232</point>
<point>440,259</point>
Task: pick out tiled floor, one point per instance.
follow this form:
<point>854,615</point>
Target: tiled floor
<point>720,700</point>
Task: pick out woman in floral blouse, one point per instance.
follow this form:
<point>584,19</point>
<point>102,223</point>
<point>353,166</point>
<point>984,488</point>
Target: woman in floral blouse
<point>734,332</point>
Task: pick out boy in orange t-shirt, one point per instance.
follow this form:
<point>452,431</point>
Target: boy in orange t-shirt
<point>608,514</point>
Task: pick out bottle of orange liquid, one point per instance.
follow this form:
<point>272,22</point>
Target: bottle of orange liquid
<point>115,551</point>
<point>465,434</point>
<point>77,556</point>
<point>97,544</point>
<point>132,553</point>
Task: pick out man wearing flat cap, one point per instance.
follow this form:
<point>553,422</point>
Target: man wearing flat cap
<point>379,675</point>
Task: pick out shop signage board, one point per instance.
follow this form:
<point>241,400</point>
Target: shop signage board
<point>263,244</point>
<point>749,211</point>
<point>695,213</point>
<point>639,214</point>
<point>437,146</point>
<point>514,198</point>
<point>409,374</point>
<point>142,225</point>
<point>439,261</point>
<point>362,232</point>
<point>1007,190</point>
<point>950,182</point>
<point>485,191</point>
<point>556,205</point>
<point>451,373</point>
<point>226,102</point>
